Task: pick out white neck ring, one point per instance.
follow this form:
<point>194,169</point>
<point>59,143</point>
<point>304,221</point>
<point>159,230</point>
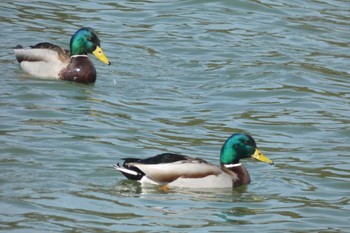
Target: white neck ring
<point>232,165</point>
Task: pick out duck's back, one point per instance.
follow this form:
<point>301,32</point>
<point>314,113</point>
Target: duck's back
<point>44,60</point>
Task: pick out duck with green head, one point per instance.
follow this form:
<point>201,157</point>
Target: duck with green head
<point>174,170</point>
<point>46,60</point>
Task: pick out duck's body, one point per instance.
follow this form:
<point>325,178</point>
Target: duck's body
<point>176,170</point>
<point>46,60</point>
<point>173,170</point>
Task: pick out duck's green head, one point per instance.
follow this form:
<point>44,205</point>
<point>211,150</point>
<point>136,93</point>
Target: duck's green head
<point>85,41</point>
<point>240,146</point>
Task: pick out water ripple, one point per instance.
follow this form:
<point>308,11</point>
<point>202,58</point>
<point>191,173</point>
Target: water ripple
<point>185,75</point>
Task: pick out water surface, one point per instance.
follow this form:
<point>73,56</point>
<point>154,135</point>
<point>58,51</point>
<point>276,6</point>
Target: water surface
<point>185,75</point>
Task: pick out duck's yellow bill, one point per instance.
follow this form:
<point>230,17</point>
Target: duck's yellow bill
<point>100,55</point>
<point>259,156</point>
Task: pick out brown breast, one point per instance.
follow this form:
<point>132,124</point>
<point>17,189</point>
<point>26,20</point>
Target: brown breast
<point>239,174</point>
<point>79,69</point>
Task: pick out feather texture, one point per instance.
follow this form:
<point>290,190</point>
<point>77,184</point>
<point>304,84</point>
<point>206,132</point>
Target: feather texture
<point>47,60</point>
<point>176,170</point>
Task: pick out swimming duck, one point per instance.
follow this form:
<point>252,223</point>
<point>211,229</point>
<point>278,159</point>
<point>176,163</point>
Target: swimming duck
<point>46,60</point>
<point>174,170</point>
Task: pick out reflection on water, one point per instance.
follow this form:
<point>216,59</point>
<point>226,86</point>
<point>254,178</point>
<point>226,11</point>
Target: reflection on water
<point>185,76</point>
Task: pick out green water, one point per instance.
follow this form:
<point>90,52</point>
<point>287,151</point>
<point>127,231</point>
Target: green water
<point>185,75</point>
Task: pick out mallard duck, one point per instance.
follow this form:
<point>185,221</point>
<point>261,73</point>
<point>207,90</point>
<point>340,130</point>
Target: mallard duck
<point>174,170</point>
<point>46,60</point>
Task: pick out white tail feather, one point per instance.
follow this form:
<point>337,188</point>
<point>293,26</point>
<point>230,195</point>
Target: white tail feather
<point>125,170</point>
